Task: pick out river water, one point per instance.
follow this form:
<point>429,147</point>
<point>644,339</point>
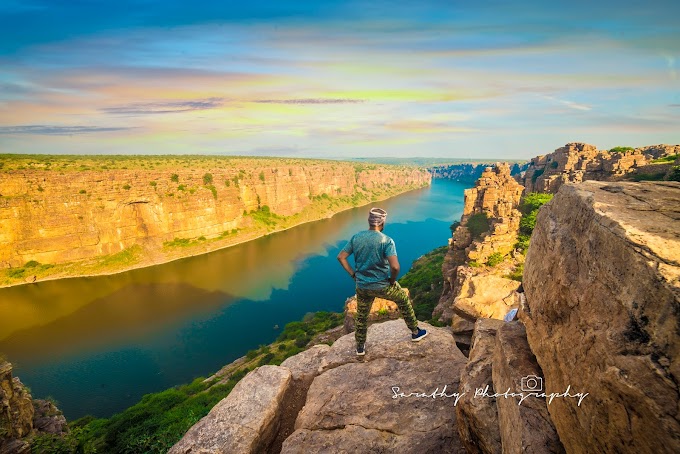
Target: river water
<point>98,344</point>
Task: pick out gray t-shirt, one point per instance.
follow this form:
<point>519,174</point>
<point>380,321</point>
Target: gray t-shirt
<point>371,249</point>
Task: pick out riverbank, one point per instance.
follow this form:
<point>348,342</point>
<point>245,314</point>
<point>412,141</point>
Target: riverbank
<point>156,226</point>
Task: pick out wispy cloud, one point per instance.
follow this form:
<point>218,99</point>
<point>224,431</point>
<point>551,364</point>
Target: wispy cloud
<point>166,107</point>
<point>52,130</point>
<point>570,104</point>
<point>310,101</point>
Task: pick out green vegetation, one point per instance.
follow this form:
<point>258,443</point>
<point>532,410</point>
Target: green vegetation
<point>495,259</point>
<point>174,178</point>
<point>670,158</point>
<point>213,189</point>
<point>125,257</point>
<point>517,273</point>
<point>554,164</point>
<point>40,188</point>
<point>648,176</point>
<point>227,183</point>
<point>265,216</point>
<point>478,224</point>
<point>262,176</point>
<point>181,187</point>
<point>425,283</point>
<point>454,226</point>
<point>207,179</point>
<point>30,268</point>
<point>127,187</point>
<point>621,149</point>
<point>674,174</point>
<point>82,191</point>
<point>153,183</point>
<point>529,208</point>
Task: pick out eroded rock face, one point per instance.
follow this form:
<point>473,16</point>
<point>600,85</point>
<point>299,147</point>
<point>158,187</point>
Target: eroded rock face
<point>524,428</point>
<point>246,421</point>
<point>473,292</point>
<point>478,417</point>
<point>351,407</point>
<point>16,405</point>
<point>602,281</point>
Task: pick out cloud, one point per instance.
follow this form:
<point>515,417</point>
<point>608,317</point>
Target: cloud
<point>674,105</point>
<point>418,126</point>
<point>150,108</point>
<point>52,130</point>
<point>310,101</point>
<point>570,104</point>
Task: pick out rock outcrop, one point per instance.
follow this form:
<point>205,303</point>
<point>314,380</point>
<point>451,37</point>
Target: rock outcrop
<point>21,416</point>
<point>477,291</point>
<point>399,398</point>
<point>469,172</point>
<point>246,421</point>
<point>53,216</point>
<point>478,417</point>
<point>16,405</point>
<point>602,281</point>
<point>577,162</point>
<point>525,425</point>
<point>368,405</point>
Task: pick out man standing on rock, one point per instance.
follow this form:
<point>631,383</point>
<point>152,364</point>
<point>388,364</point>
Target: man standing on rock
<point>377,268</point>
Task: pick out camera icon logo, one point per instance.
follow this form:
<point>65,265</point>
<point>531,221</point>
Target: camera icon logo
<point>531,383</point>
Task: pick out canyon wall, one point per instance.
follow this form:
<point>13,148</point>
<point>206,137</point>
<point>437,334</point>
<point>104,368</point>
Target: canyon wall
<point>602,281</point>
<point>471,289</point>
<point>576,162</point>
<point>53,216</point>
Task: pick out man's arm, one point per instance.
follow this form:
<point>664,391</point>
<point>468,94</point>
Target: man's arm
<point>342,258</point>
<point>394,268</point>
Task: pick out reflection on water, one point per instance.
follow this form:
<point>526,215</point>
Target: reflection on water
<point>97,344</point>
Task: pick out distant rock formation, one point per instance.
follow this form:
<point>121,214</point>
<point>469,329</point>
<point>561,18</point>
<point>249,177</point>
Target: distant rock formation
<point>576,162</point>
<point>469,173</point>
<point>327,400</point>
<point>21,416</point>
<point>602,280</point>
<point>477,291</point>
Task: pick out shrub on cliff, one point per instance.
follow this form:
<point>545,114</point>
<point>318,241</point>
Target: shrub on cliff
<point>529,208</point>
<point>478,224</point>
<point>207,179</point>
<point>621,149</point>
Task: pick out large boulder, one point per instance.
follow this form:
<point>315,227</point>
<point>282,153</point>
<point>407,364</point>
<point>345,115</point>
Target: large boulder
<point>366,404</point>
<point>16,405</point>
<point>525,425</point>
<point>478,417</point>
<point>246,421</point>
<point>602,281</point>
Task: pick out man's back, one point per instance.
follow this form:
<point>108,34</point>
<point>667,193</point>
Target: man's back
<point>371,249</point>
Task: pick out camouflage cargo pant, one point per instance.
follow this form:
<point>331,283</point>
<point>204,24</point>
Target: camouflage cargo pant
<point>391,292</point>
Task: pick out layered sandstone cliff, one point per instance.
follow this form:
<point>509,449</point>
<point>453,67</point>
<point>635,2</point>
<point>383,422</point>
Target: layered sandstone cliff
<point>471,289</point>
<point>52,216</point>
<point>577,162</point>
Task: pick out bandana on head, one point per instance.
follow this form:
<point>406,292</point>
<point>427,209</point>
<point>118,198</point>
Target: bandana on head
<point>377,216</point>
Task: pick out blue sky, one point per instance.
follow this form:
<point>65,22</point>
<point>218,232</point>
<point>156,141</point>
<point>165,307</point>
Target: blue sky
<point>485,79</point>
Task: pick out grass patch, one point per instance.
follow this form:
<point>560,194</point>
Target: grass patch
<point>648,176</point>
<point>125,257</point>
<point>495,259</point>
<point>670,158</point>
<point>517,273</point>
<point>425,282</point>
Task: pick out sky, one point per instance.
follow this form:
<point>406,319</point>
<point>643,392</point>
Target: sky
<point>337,79</point>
